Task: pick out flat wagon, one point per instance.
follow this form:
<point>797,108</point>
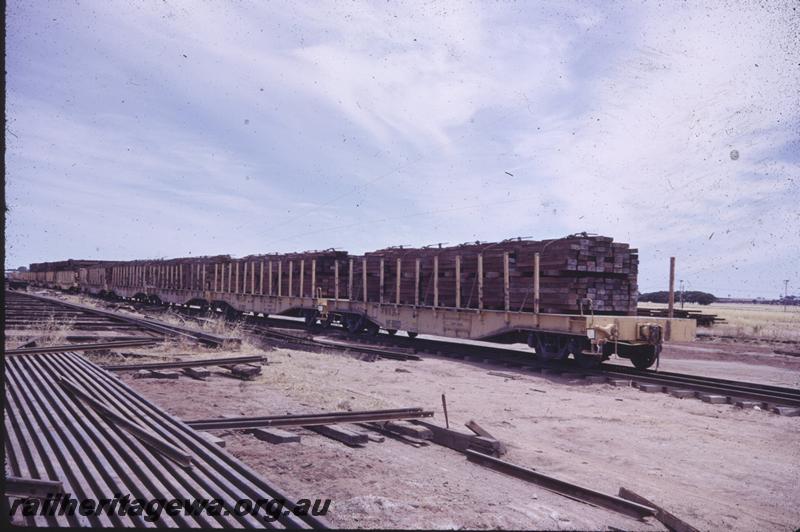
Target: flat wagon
<point>574,296</point>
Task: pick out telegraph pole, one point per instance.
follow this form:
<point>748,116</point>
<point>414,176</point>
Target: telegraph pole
<point>681,293</point>
<point>671,300</point>
<point>785,293</point>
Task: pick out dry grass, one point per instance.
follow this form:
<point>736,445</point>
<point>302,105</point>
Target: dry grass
<point>768,322</point>
<point>48,331</point>
<point>52,332</point>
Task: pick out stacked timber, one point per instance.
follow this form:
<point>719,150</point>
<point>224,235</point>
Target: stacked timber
<point>572,270</point>
<point>67,265</point>
<point>480,275</point>
<point>296,274</point>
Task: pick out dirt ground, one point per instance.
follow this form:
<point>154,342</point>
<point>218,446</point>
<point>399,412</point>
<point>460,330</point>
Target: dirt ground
<point>715,466</point>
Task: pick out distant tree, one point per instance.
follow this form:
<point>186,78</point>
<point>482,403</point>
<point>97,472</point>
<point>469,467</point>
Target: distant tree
<point>702,298</point>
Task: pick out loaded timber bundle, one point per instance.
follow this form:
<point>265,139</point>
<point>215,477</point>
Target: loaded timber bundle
<point>310,273</point>
<point>572,269</point>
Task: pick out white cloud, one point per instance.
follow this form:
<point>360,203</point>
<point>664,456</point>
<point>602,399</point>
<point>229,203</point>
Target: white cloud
<point>239,127</point>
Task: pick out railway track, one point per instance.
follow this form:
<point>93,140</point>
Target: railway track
<point>777,399</point>
<point>25,311</point>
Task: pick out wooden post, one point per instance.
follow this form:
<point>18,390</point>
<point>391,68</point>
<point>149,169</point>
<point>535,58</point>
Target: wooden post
<point>203,279</point>
<point>671,307</point>
<point>280,277</point>
<point>180,276</point>
<point>291,272</point>
<point>261,279</point>
<point>506,284</point>
<point>236,286</point>
<point>244,279</point>
<point>444,407</point>
<point>269,278</point>
<point>216,274</point>
<point>350,281</point>
<point>230,276</point>
<point>436,281</point>
<point>313,277</point>
<point>364,276</point>
<point>302,274</point>
<point>335,279</point>
<point>397,289</point>
<point>380,294</point>
<point>416,282</point>
<point>480,281</point>
<point>252,277</point>
<point>458,281</point>
<point>536,283</point>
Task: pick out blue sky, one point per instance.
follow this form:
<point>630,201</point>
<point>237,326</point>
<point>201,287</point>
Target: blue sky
<point>162,129</point>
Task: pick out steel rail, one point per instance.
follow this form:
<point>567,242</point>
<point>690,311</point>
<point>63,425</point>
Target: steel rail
<point>31,487</point>
<point>144,323</point>
<point>611,502</point>
<point>81,347</point>
<point>210,459</point>
<point>186,363</point>
<point>716,380</point>
<point>302,420</point>
<point>299,340</point>
<point>51,433</point>
<point>788,396</point>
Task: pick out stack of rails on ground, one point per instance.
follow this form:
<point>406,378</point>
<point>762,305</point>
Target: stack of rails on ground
<point>432,435</point>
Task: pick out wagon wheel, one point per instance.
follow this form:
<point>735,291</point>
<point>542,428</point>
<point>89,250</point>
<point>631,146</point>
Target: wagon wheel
<point>353,324</point>
<point>580,351</point>
<point>646,357</point>
<point>391,332</point>
<point>371,329</point>
<point>411,334</point>
<point>312,323</point>
<point>587,361</point>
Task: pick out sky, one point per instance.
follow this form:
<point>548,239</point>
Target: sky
<point>167,129</point>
